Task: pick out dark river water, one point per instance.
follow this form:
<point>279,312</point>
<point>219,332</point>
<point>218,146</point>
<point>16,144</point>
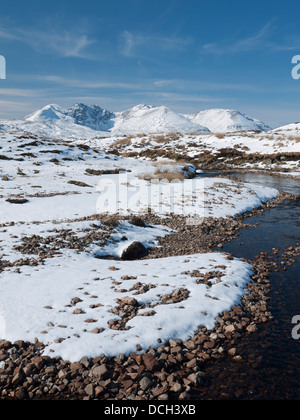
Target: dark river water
<point>270,368</point>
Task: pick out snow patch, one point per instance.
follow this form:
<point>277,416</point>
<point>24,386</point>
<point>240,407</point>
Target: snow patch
<point>41,301</point>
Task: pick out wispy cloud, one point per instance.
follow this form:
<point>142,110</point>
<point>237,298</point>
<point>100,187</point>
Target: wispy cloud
<point>87,84</point>
<point>22,93</point>
<point>195,85</point>
<point>177,97</point>
<point>4,34</point>
<point>132,43</point>
<point>12,109</point>
<point>65,43</point>
<point>257,41</point>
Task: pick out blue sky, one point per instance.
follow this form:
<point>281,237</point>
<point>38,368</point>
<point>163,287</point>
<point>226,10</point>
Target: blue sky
<point>190,55</point>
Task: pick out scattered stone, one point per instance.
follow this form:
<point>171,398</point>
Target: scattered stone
<point>145,383</point>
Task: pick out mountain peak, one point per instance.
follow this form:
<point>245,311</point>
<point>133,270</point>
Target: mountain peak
<point>226,120</point>
<point>48,112</point>
<point>151,119</point>
<point>92,116</point>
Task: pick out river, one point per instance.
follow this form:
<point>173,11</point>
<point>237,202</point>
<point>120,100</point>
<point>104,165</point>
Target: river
<point>270,366</point>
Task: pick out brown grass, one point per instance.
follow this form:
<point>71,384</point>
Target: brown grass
<point>161,175</point>
<point>127,141</point>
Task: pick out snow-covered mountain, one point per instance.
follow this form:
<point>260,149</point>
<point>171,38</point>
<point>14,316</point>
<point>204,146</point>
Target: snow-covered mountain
<point>91,121</point>
<point>140,119</point>
<point>93,116</point>
<point>149,119</point>
<point>226,120</point>
<point>293,128</point>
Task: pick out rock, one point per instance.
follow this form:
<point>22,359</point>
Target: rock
<point>192,364</point>
<point>160,391</point>
<point>98,391</point>
<point>129,301</point>
<point>209,344</point>
<point>78,312</point>
<point>184,396</point>
<point>89,390</point>
<point>28,369</point>
<point>190,345</point>
<point>176,388</point>
<point>150,362</point>
<point>76,366</point>
<point>95,331</point>
<point>17,379</point>
<point>145,383</point>
<point>85,362</point>
<point>127,384</point>
<point>197,378</point>
<point>19,343</point>
<point>17,200</point>
<point>39,362</point>
<point>137,221</point>
<point>62,374</point>
<point>252,328</point>
<point>135,251</point>
<point>230,329</point>
<point>232,352</point>
<point>163,397</point>
<point>5,345</point>
<point>75,300</point>
<point>51,370</point>
<point>173,343</point>
<point>20,394</point>
<point>100,372</point>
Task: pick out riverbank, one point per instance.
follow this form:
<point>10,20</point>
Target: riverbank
<point>175,370</point>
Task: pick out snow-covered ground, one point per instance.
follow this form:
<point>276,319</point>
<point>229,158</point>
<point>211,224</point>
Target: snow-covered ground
<point>267,148</point>
<point>38,303</point>
<point>55,180</point>
<point>202,197</point>
<point>64,186</point>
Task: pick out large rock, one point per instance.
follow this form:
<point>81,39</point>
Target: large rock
<point>134,252</point>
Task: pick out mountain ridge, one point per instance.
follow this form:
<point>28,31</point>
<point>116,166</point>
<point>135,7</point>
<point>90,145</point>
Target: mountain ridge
<point>92,120</point>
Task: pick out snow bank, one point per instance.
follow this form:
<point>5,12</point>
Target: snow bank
<point>36,303</point>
